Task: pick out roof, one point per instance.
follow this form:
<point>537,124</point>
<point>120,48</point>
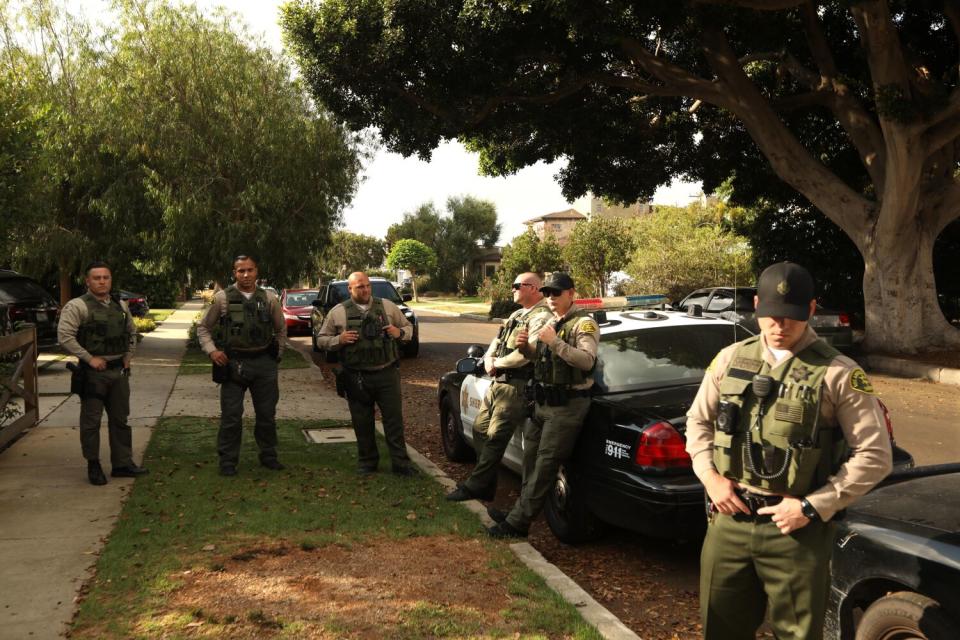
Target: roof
<point>567,214</point>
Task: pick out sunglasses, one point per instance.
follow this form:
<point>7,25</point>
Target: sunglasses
<point>551,293</point>
<point>516,285</point>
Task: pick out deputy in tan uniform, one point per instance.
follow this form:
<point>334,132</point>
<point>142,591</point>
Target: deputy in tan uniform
<point>98,329</point>
<point>367,332</point>
<point>504,404</point>
<point>243,332</point>
<point>769,433</point>
<point>564,352</point>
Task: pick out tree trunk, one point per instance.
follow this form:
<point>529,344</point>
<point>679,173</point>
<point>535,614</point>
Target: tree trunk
<point>899,292</point>
<point>66,282</point>
<point>413,283</point>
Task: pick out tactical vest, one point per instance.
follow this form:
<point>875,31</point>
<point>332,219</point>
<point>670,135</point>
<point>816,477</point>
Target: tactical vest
<point>779,444</point>
<point>105,332</point>
<point>549,368</point>
<point>374,348</point>
<point>247,326</point>
<point>507,338</point>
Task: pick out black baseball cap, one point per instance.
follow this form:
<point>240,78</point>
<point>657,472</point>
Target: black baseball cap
<point>785,290</point>
<point>557,281</point>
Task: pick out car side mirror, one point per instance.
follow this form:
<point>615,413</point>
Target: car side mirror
<point>475,351</point>
<point>406,297</point>
<point>468,366</point>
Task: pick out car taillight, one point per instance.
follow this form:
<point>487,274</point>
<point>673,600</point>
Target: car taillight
<point>887,420</point>
<point>661,446</point>
<point>844,319</point>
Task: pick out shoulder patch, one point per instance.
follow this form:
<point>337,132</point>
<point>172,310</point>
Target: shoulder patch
<point>588,326</point>
<point>860,382</point>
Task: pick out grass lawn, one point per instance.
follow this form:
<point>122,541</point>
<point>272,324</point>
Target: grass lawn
<point>467,304</point>
<point>195,361</point>
<point>312,551</point>
<point>159,315</point>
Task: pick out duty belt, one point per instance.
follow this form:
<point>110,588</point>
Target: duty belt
<point>507,376</point>
<point>243,355</point>
<point>111,364</point>
<point>754,502</point>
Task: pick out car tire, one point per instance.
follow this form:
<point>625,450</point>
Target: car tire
<point>568,515</point>
<point>455,446</point>
<point>412,349</point>
<point>904,615</point>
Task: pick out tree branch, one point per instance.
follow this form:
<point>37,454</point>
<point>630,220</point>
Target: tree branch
<point>759,5</point>
<point>680,81</point>
<point>942,134</point>
<point>944,202</point>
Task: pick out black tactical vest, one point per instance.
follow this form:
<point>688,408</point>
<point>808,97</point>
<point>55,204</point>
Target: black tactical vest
<point>247,327</point>
<point>374,348</point>
<point>507,338</point>
<point>105,331</point>
<point>549,368</point>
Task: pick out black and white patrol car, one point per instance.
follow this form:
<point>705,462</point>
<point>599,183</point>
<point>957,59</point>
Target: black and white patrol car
<point>629,467</point>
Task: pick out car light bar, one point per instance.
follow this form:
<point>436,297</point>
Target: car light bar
<point>622,302</point>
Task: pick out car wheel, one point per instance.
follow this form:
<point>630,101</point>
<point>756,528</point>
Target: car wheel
<point>905,616</point>
<point>567,513</point>
<point>413,348</point>
<point>456,448</point>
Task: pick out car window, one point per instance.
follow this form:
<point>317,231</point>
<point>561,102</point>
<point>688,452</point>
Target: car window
<point>661,355</point>
<point>18,289</point>
<point>692,300</point>
<point>745,299</point>
<point>381,289</point>
<point>301,298</point>
<point>721,301</point>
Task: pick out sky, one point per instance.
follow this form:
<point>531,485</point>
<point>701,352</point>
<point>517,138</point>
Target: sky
<point>393,185</point>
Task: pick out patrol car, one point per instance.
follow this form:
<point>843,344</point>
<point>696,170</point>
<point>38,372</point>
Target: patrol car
<point>629,467</point>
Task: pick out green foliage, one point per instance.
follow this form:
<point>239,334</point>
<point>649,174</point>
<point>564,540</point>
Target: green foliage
<point>679,250</point>
<point>527,252</point>
<point>596,249</point>
<point>457,235</point>
<point>413,256</point>
<point>161,290</point>
<point>144,325</point>
<point>19,147</point>
<point>347,252</point>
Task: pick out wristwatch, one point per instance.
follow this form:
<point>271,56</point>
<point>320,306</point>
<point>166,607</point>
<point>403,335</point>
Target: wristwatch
<point>808,511</point>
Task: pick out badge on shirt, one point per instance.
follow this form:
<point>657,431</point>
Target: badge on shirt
<point>859,381</point>
<point>588,326</point>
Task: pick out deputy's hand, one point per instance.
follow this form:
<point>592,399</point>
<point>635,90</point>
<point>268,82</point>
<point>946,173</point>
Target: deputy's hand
<point>98,363</point>
<point>787,515</point>
<point>392,331</point>
<point>488,365</point>
<point>349,337</point>
<point>547,335</point>
<point>219,358</point>
<point>523,337</point>
<point>126,362</point>
<point>723,496</point>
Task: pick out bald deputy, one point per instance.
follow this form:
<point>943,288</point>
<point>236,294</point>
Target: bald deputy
<point>784,432</point>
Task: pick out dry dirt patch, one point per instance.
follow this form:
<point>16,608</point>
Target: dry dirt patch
<point>363,591</point>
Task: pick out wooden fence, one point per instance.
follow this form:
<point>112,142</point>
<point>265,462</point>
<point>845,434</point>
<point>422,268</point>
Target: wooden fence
<point>22,383</point>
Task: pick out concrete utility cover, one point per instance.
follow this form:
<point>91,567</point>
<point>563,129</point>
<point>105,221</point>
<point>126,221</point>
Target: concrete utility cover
<point>330,436</point>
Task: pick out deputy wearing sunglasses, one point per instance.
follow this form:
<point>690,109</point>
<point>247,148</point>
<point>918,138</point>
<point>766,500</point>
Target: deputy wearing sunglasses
<point>564,352</point>
<point>504,405</point>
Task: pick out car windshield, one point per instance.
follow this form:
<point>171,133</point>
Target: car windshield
<point>660,355</point>
<point>18,289</point>
<point>381,289</point>
<point>301,298</point>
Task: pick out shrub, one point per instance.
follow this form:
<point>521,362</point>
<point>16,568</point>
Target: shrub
<point>192,340</point>
<point>161,290</point>
<point>503,308</point>
<point>144,325</point>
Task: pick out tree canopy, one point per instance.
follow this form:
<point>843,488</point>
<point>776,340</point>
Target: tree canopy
<point>596,249</point>
<point>851,108</point>
<point>348,252</point>
<point>414,256</point>
<point>527,252</point>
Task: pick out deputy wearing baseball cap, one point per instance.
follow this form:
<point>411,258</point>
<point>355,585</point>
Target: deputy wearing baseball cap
<point>769,433</point>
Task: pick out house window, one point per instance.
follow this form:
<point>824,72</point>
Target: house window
<point>556,226</point>
<point>489,270</point>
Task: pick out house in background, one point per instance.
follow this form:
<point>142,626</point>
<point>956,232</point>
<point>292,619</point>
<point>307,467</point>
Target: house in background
<point>486,262</point>
<point>559,225</point>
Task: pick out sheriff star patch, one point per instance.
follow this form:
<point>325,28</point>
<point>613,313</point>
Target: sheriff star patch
<point>800,373</point>
<point>859,381</point>
<point>588,326</point>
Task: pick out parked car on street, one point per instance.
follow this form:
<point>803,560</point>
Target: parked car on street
<point>629,467</point>
<point>136,302</point>
<point>297,305</point>
<point>23,300</point>
<point>335,292</point>
<point>736,305</point>
<point>896,560</point>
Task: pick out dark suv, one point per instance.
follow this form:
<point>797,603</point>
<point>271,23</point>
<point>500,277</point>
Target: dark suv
<point>23,300</point>
<point>333,293</point>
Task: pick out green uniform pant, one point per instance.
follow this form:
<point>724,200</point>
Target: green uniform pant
<point>259,375</point>
<point>504,409</point>
<point>108,389</point>
<point>746,567</point>
<point>380,387</point>
<point>548,441</point>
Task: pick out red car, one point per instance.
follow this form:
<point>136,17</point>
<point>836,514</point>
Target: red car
<point>297,307</point>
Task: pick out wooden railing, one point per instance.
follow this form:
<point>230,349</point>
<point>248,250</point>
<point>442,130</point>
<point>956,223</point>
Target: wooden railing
<point>18,378</point>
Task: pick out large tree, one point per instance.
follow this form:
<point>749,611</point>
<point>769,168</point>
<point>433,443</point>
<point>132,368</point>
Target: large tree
<point>596,249</point>
<point>348,252</point>
<point>853,105</point>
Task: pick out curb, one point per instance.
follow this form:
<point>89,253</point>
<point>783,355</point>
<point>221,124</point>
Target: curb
<point>911,369</point>
<point>607,625</point>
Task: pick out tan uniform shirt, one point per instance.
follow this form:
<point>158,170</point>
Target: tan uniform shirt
<point>211,318</point>
<point>336,323</point>
<point>585,335</point>
<point>73,315</point>
<point>538,316</point>
<point>857,412</point>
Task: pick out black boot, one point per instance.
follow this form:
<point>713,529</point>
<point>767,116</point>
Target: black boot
<point>95,472</point>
